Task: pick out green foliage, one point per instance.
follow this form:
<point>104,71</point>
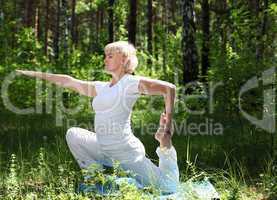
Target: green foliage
<point>268,180</point>
<point>121,15</point>
<point>92,6</point>
<point>49,171</point>
<point>30,48</point>
<point>12,189</point>
<point>236,37</point>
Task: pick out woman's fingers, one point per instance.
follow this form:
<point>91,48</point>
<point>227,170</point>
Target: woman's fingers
<point>19,71</point>
<point>22,72</point>
<point>25,72</point>
<point>162,119</point>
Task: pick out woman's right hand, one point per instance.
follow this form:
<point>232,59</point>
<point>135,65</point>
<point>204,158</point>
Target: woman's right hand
<point>27,73</point>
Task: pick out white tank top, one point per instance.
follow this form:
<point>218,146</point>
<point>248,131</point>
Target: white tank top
<point>113,108</point>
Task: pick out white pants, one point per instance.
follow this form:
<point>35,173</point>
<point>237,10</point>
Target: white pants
<point>130,152</point>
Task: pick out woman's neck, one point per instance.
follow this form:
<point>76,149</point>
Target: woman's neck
<point>116,77</point>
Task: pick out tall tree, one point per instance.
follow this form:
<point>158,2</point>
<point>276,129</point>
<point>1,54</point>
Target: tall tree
<point>46,27</point>
<point>173,24</point>
<point>2,15</point>
<point>132,22</point>
<point>29,13</point>
<point>164,34</point>
<point>57,30</point>
<point>1,9</point>
<point>156,29</point>
<point>91,29</point>
<point>37,21</point>
<point>15,27</point>
<point>190,58</point>
<point>254,7</point>
<point>206,37</point>
<point>65,31</point>
<point>73,23</point>
<point>221,16</point>
<point>262,32</point>
<point>110,21</point>
<point>149,30</point>
<point>101,17</point>
<point>97,25</point>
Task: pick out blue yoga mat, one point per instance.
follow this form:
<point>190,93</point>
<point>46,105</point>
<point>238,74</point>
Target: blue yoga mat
<point>201,190</point>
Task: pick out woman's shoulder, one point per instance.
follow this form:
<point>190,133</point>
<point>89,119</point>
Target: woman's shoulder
<point>130,83</point>
<point>134,77</point>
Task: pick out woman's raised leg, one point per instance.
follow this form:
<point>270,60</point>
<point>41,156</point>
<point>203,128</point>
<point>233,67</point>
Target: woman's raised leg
<point>164,177</point>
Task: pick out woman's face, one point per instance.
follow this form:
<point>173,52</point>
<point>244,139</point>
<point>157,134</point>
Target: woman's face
<point>114,62</point>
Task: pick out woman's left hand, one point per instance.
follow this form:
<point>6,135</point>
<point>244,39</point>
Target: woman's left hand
<point>168,126</point>
<point>161,135</point>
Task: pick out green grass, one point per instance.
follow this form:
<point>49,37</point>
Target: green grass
<point>35,163</point>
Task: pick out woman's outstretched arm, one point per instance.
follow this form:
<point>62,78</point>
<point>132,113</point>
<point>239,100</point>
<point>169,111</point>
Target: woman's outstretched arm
<point>86,88</point>
<point>168,90</point>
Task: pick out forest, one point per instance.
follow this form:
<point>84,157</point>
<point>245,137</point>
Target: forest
<point>220,55</point>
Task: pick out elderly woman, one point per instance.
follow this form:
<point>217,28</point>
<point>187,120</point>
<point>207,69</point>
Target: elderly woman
<point>113,138</point>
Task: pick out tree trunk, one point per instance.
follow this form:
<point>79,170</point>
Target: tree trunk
<point>132,22</point>
<point>206,38</point>
<point>57,32</point>
<point>2,15</point>
<point>150,32</point>
<point>97,24</point>
<point>173,24</point>
<point>46,28</point>
<point>14,28</point>
<point>110,10</point>
<point>254,7</point>
<point>37,23</point>
<point>3,40</point>
<point>164,35</point>
<point>91,30</point>
<point>262,33</point>
<point>29,13</point>
<point>190,58</point>
<point>155,34</point>
<point>64,39</point>
<point>221,11</point>
<point>1,10</point>
<point>101,18</point>
<point>65,30</point>
<point>73,23</point>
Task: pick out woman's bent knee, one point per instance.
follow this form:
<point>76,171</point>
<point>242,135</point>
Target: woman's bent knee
<point>71,134</point>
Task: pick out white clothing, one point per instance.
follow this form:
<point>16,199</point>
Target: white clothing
<point>113,138</point>
<point>113,107</point>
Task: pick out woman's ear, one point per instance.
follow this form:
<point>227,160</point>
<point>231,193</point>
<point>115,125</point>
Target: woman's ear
<point>125,61</point>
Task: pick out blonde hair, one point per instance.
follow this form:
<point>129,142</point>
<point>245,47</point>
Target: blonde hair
<point>127,50</point>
